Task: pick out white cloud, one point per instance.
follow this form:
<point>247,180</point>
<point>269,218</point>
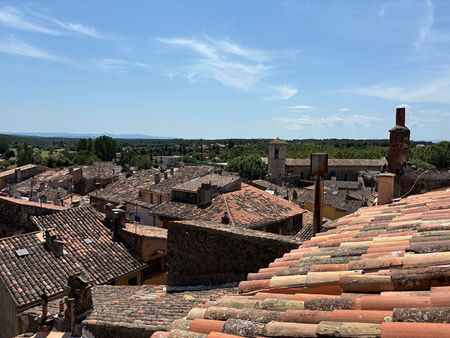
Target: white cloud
<point>281,92</point>
<point>300,122</point>
<point>426,27</point>
<point>299,107</point>
<point>16,47</point>
<point>343,109</point>
<point>228,63</point>
<point>403,105</point>
<point>35,22</point>
<point>108,64</point>
<point>12,17</point>
<point>436,90</point>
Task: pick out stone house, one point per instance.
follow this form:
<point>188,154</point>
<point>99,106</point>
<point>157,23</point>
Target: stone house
<point>36,266</point>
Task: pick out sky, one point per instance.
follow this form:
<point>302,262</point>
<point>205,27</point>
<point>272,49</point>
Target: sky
<point>226,69</point>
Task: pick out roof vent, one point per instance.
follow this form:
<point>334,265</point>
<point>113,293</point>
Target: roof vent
<point>22,252</point>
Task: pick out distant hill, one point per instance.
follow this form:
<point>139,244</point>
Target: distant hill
<point>78,136</point>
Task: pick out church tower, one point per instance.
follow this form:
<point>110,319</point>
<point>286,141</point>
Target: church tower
<point>277,161</point>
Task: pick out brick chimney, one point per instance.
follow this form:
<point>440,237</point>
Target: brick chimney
<point>119,221</point>
<point>399,147</point>
<point>54,242</point>
<point>157,178</point>
<point>385,188</point>
<point>205,194</point>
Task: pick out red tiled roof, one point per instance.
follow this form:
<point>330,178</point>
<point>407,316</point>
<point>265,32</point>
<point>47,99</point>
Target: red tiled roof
<point>32,204</point>
<point>383,271</point>
<point>248,207</point>
<point>102,259</point>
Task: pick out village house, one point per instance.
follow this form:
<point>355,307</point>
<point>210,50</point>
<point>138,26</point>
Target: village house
<point>122,190</point>
<point>150,243</point>
<point>244,206</point>
<point>14,176</point>
<point>15,215</point>
<point>159,190</point>
<point>98,176</point>
<point>36,266</point>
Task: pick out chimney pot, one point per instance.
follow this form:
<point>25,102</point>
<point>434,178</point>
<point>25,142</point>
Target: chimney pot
<point>385,188</point>
<point>157,178</point>
<point>400,117</point>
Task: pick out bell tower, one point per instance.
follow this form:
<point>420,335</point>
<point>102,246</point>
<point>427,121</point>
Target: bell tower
<point>277,161</point>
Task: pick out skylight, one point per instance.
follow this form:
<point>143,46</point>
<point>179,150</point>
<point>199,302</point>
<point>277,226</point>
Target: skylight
<point>87,240</point>
<point>22,252</point>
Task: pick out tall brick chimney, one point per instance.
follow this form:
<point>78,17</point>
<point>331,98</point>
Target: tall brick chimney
<point>399,148</point>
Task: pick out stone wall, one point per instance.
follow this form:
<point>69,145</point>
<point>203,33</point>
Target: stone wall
<point>15,215</point>
<point>202,253</point>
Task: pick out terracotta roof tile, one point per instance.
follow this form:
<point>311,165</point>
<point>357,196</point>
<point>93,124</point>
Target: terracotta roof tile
<point>387,265</point>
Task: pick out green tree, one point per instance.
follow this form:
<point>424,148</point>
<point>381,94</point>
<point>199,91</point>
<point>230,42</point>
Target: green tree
<point>4,145</point>
<point>24,154</point>
<point>249,166</point>
<point>105,148</point>
<point>143,162</point>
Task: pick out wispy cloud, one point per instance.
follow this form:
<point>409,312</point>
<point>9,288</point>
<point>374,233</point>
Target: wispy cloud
<point>282,92</point>
<point>436,90</point>
<point>228,63</point>
<point>343,109</point>
<point>17,47</point>
<point>14,18</point>
<point>117,65</point>
<point>426,26</point>
<point>32,21</point>
<point>299,107</point>
<point>303,121</point>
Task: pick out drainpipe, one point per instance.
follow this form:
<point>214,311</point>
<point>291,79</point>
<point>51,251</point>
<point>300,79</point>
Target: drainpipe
<point>319,168</point>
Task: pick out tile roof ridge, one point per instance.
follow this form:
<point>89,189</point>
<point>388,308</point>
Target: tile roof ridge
<point>228,209</point>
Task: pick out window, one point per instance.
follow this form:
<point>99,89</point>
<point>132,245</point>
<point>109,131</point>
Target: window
<point>132,281</point>
<point>276,153</point>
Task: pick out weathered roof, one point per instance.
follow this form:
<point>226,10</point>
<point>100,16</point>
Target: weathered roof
<point>248,207</point>
<point>213,179</point>
<point>146,307</point>
<point>126,189</point>
<point>102,259</point>
<point>100,170</point>
<point>27,277</point>
<point>180,176</point>
<point>277,141</point>
<point>12,171</point>
<point>383,271</point>
<point>335,198</point>
<point>146,230</point>
<point>48,176</point>
<point>20,201</point>
<point>337,162</point>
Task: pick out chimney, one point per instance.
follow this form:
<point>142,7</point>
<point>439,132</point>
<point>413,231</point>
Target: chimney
<point>171,171</point>
<point>53,242</point>
<point>205,194</point>
<point>225,218</point>
<point>41,319</point>
<point>385,188</point>
<point>165,175</point>
<point>319,168</point>
<point>157,178</point>
<point>399,147</point>
<point>118,223</point>
<point>41,186</point>
<point>400,117</point>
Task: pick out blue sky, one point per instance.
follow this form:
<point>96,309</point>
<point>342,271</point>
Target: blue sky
<point>219,69</point>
